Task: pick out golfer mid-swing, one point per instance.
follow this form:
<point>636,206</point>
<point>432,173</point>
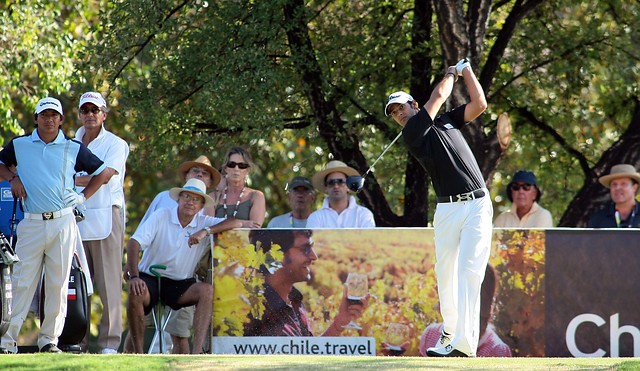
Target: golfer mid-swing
<point>463,217</point>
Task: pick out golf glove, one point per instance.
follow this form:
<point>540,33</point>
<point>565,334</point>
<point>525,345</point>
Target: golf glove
<point>461,65</point>
<point>74,198</point>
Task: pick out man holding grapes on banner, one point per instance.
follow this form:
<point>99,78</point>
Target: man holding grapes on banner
<point>284,313</point>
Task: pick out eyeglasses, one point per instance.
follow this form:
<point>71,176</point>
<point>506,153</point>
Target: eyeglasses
<point>307,249</point>
<point>94,110</point>
<point>189,198</point>
<point>332,182</point>
<point>197,170</point>
<point>516,187</point>
<point>241,165</point>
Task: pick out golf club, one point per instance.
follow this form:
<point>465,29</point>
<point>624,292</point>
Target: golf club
<point>354,182</point>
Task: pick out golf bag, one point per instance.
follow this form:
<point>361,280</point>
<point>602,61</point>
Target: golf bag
<point>77,321</point>
<point>8,257</point>
<point>5,294</point>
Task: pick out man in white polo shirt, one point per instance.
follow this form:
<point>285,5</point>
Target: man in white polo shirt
<point>46,161</point>
<point>102,230</point>
<point>339,209</point>
<point>173,237</point>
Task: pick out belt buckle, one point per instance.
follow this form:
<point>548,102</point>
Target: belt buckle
<point>47,215</point>
<point>465,196</point>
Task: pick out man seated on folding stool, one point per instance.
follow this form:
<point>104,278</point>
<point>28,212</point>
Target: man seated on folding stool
<point>175,238</point>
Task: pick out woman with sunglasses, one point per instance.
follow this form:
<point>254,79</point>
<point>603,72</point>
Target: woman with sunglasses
<point>237,200</point>
<point>525,211</point>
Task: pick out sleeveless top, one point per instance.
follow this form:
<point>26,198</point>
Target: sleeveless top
<point>244,209</point>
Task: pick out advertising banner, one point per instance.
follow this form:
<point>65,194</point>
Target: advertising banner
<point>402,308</point>
<point>592,306</point>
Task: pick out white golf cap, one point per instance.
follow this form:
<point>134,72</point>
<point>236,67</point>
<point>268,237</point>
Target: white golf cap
<point>49,103</point>
<point>397,97</point>
<point>93,97</point>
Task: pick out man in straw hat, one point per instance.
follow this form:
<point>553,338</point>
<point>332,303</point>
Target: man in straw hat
<point>179,326</point>
<point>199,168</point>
<point>339,209</point>
<point>462,221</point>
<point>173,237</point>
<point>623,211</point>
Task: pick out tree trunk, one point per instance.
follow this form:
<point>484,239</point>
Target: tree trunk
<point>592,196</point>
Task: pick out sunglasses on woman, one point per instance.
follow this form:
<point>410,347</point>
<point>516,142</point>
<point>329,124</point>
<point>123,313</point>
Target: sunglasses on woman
<point>516,187</point>
<point>241,165</point>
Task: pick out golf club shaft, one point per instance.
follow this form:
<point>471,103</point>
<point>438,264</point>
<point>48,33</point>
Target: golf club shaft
<point>382,154</point>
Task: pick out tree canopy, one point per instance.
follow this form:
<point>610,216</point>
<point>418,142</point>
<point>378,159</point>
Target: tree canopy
<point>301,82</point>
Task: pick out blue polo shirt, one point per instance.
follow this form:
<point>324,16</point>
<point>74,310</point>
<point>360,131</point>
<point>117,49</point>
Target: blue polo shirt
<point>47,169</point>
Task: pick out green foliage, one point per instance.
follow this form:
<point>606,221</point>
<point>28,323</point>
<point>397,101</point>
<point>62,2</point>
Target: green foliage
<point>238,284</point>
<point>519,308</point>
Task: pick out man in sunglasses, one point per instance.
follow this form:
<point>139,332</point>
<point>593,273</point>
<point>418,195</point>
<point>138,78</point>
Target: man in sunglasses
<point>462,221</point>
<point>302,196</point>
<point>173,237</point>
<point>525,211</point>
<point>339,208</point>
<point>284,314</point>
<point>102,230</point>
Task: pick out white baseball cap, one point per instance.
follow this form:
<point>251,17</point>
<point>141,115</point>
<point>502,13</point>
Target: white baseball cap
<point>397,97</point>
<point>93,97</point>
<point>49,103</point>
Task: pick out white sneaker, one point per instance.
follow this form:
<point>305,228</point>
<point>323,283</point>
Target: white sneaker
<point>109,351</point>
<point>447,351</point>
<point>443,342</point>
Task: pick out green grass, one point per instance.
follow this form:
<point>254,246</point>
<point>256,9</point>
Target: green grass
<point>227,362</point>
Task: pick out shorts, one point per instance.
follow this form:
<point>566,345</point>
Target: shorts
<point>171,291</point>
<point>181,321</point>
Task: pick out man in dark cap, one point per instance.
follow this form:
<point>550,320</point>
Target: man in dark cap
<point>525,211</point>
<point>301,198</point>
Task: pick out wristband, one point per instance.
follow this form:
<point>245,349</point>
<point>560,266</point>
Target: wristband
<point>132,277</point>
<point>13,177</point>
<point>455,77</point>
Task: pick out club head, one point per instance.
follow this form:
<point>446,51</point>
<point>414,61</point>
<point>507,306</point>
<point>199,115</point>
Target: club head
<point>355,183</point>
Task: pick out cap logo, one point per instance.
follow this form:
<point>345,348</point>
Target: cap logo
<point>89,95</point>
<point>48,103</point>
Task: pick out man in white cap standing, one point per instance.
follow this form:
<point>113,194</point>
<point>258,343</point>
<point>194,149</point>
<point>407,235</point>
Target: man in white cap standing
<point>46,162</point>
<point>624,210</point>
<point>463,218</point>
<point>301,197</point>
<point>339,208</point>
<point>102,230</point>
<point>173,237</point>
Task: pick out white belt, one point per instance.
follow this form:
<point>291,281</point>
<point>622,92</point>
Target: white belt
<point>49,215</point>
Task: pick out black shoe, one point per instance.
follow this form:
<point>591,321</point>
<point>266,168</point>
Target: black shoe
<point>447,351</point>
<point>68,348</point>
<point>50,348</point>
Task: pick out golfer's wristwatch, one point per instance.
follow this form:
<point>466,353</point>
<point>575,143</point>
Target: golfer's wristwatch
<point>208,230</point>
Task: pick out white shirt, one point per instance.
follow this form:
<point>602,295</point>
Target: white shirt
<point>162,200</point>
<point>163,241</point>
<point>537,217</point>
<point>113,151</point>
<point>354,216</point>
